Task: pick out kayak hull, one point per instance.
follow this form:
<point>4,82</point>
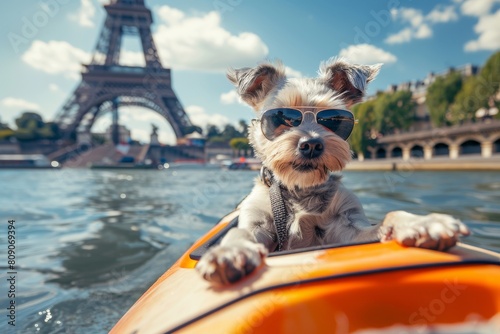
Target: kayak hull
<point>331,289</point>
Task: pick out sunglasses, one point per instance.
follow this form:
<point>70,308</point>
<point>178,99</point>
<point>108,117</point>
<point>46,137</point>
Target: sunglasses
<point>274,122</point>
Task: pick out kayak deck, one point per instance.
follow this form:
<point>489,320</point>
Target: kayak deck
<point>336,289</point>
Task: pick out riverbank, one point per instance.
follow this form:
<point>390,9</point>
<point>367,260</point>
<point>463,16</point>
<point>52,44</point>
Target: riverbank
<point>436,164</point>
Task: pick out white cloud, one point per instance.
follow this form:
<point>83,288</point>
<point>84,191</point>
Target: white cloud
<point>56,57</point>
<point>201,43</point>
<point>418,25</point>
<point>19,104</point>
<point>60,57</point>
<point>367,54</point>
<point>230,97</point>
<point>442,14</point>
<point>403,36</point>
<point>201,118</point>
<point>423,31</point>
<point>184,42</point>
<point>85,14</point>
<point>411,15</point>
<point>291,73</point>
<point>488,29</point>
<point>477,7</point>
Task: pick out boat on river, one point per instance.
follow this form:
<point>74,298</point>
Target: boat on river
<point>356,288</point>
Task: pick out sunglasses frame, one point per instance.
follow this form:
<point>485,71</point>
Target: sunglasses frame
<point>305,110</point>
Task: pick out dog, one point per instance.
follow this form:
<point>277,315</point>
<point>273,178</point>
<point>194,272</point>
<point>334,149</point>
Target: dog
<point>300,136</point>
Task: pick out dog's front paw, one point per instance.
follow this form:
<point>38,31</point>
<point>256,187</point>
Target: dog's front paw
<point>227,264</point>
<point>434,231</point>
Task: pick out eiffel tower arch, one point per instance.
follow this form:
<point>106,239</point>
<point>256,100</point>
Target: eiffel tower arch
<point>106,85</point>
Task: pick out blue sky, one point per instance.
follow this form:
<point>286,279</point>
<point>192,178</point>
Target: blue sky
<point>43,43</point>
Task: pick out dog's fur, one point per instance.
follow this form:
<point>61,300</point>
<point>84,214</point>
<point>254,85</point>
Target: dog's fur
<point>321,210</point>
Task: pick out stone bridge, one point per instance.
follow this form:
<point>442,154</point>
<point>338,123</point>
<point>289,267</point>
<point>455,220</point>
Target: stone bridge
<point>453,142</point>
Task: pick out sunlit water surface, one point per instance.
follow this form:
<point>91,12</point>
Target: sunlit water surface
<point>89,243</point>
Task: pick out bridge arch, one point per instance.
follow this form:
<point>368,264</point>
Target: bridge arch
<point>396,152</point>
<point>380,153</point>
<point>476,138</point>
<point>470,146</point>
<point>441,149</point>
<point>417,151</point>
<point>446,141</point>
<point>173,114</point>
<point>496,146</point>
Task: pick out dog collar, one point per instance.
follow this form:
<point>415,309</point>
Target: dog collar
<point>266,176</point>
<point>278,207</point>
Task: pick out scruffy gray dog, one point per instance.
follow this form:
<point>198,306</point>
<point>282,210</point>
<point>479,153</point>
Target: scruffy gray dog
<point>300,136</point>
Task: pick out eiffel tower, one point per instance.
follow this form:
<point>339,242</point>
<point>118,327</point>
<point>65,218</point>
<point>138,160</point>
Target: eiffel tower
<point>107,85</point>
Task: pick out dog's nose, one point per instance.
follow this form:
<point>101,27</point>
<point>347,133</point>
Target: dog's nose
<point>311,147</point>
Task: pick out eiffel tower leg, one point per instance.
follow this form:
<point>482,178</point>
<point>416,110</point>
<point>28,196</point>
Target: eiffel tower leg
<point>115,40</point>
<point>149,48</point>
<point>115,127</point>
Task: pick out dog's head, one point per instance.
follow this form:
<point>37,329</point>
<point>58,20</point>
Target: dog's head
<point>286,135</point>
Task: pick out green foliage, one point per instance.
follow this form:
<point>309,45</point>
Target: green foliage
<point>476,92</point>
<point>229,132</point>
<point>361,134</point>
<point>440,95</point>
<point>212,131</point>
<point>192,129</point>
<point>30,126</point>
<point>385,114</point>
<point>490,75</point>
<point>244,127</point>
<point>240,143</point>
<point>394,111</point>
<point>470,98</point>
<point>6,133</point>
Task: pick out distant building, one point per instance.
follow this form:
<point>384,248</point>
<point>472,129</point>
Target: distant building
<point>192,139</point>
<point>124,134</point>
<point>215,151</point>
<point>419,87</point>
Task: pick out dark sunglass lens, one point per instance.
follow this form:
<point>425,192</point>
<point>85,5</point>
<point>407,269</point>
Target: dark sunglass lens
<point>341,122</point>
<point>276,121</point>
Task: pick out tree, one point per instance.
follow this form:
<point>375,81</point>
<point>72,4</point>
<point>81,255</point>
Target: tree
<point>476,92</point>
<point>363,132</point>
<point>240,144</point>
<point>244,127</point>
<point>5,131</point>
<point>470,98</point>
<point>212,131</point>
<point>394,111</point>
<point>490,75</point>
<point>30,126</point>
<point>192,129</point>
<point>230,132</point>
<point>440,95</point>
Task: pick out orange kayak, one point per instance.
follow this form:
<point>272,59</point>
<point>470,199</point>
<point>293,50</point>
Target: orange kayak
<point>371,287</point>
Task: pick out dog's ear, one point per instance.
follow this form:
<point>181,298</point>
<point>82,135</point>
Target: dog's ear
<point>348,79</point>
<point>254,84</point>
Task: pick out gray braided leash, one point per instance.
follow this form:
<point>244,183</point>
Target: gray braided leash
<point>280,214</point>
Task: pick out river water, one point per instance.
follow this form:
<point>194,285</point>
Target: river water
<point>89,243</point>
